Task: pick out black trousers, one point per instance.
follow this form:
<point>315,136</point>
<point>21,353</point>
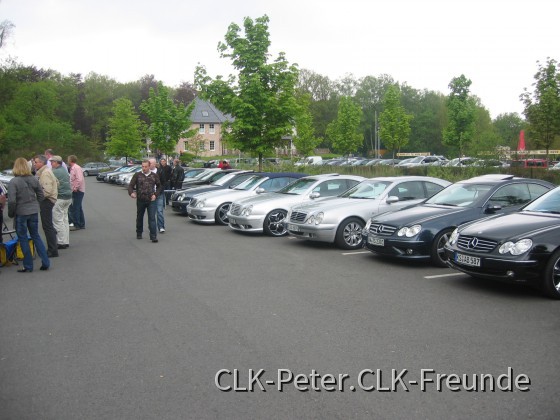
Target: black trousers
<point>46,207</point>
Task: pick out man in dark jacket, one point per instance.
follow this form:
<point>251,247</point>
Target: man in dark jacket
<point>177,175</point>
<point>145,187</point>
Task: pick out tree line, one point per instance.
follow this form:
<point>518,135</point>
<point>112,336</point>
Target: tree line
<point>270,101</point>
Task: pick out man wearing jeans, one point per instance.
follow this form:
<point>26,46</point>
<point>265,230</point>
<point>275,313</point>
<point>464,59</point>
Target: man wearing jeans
<point>145,187</point>
<point>78,184</point>
<point>160,202</point>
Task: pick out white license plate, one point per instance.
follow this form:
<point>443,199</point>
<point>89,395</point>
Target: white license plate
<point>293,228</point>
<point>376,241</point>
<point>467,260</point>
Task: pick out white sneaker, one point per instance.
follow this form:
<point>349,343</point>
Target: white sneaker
<point>71,225</point>
<point>162,230</point>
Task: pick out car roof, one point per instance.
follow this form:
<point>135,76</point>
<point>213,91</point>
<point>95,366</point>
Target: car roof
<point>281,174</point>
<point>500,179</point>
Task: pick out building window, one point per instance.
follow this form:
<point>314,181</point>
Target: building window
<point>212,145</point>
<point>201,146</point>
<point>204,113</point>
<point>201,128</point>
<point>212,130</point>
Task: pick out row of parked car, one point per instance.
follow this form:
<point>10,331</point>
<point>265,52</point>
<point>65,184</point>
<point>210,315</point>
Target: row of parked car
<point>497,227</point>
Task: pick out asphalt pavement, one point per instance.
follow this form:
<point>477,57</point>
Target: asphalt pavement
<point>209,323</point>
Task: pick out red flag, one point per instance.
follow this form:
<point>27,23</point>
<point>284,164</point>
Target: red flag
<point>521,144</point>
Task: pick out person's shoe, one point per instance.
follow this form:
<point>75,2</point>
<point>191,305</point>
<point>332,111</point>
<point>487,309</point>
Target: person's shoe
<point>154,240</point>
<point>138,236</point>
<point>63,246</point>
<point>52,254</point>
<point>73,228</point>
<point>162,230</point>
<point>25,270</point>
<point>44,268</point>
<point>71,225</point>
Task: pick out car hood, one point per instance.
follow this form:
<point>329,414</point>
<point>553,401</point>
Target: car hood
<point>224,195</point>
<point>198,190</point>
<point>419,214</point>
<point>513,225</point>
<point>271,200</point>
<point>334,203</point>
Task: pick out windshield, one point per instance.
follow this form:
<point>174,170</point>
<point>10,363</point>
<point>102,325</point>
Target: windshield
<point>203,175</point>
<point>366,189</point>
<point>250,183</point>
<point>297,188</point>
<point>417,159</point>
<point>547,203</point>
<point>223,180</point>
<point>461,195</point>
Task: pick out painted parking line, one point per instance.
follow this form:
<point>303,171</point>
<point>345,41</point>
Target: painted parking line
<point>356,253</point>
<point>444,275</point>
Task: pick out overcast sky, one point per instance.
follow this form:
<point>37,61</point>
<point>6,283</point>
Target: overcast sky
<point>424,43</point>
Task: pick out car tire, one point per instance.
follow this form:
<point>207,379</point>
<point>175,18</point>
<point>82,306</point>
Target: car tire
<point>86,173</point>
<point>221,214</point>
<point>349,233</point>
<point>551,281</point>
<point>437,254</point>
<point>273,223</point>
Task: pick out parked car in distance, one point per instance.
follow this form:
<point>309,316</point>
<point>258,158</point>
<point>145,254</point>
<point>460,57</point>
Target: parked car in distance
<point>342,218</point>
<point>182,198</point>
<point>103,176</point>
<point>421,161</point>
<point>459,162</point>
<point>529,163</point>
<point>93,168</point>
<point>421,231</point>
<point>213,206</point>
<point>309,160</point>
<point>522,247</point>
<point>266,213</point>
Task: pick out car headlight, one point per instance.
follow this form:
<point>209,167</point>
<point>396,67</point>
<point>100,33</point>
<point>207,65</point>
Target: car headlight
<point>454,236</point>
<point>247,210</point>
<point>181,198</point>
<point>516,248</point>
<point>315,218</point>
<point>409,232</point>
<point>365,230</point>
<point>201,204</point>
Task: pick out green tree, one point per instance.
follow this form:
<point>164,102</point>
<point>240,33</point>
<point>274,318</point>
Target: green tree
<point>461,113</point>
<point>261,98</point>
<point>394,122</point>
<point>125,130</point>
<point>507,127</point>
<point>305,140</point>
<point>542,106</point>
<point>344,131</point>
<point>168,121</point>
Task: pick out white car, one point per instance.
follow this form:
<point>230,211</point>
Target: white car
<point>266,213</point>
<point>341,219</point>
<point>213,206</point>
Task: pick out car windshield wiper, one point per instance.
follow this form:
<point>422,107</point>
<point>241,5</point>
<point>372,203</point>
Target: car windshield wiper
<point>444,204</point>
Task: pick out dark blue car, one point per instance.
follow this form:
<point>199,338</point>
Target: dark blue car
<point>420,232</point>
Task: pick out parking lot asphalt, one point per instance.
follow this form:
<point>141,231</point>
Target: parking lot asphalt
<point>210,323</point>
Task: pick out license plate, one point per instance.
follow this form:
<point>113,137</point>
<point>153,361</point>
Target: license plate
<point>232,221</point>
<point>376,241</point>
<point>467,260</point>
<point>293,228</point>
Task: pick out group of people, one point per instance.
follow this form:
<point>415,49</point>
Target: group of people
<point>56,193</point>
<point>152,188</point>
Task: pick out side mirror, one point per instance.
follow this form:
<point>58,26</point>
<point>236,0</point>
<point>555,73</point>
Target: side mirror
<point>493,208</point>
<point>260,190</point>
<point>314,195</point>
<point>392,199</point>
